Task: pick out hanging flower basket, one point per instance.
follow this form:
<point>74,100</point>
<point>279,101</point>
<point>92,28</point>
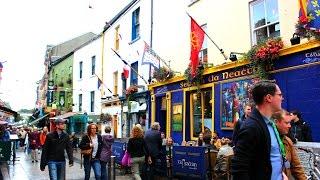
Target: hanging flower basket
<point>130,91</point>
<point>304,31</point>
<point>262,56</point>
<point>197,78</point>
<point>163,74</point>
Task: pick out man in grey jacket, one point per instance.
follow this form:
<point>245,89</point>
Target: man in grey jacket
<point>154,143</point>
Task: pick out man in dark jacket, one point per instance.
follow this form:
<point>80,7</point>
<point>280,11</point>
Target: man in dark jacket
<point>154,142</point>
<point>300,130</point>
<point>53,151</point>
<point>257,151</point>
<point>247,111</point>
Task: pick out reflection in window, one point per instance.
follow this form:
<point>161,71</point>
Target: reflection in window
<point>201,111</point>
<point>264,20</point>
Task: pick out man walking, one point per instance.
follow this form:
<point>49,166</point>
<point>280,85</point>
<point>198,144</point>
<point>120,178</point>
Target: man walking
<point>53,152</point>
<point>300,130</point>
<point>257,150</point>
<point>154,143</point>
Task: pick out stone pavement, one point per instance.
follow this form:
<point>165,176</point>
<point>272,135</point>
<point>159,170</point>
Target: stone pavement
<point>24,169</point>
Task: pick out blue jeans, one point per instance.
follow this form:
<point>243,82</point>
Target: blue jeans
<point>104,170</point>
<point>57,170</point>
<point>95,164</point>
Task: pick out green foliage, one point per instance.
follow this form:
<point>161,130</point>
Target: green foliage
<point>163,74</point>
<point>262,56</point>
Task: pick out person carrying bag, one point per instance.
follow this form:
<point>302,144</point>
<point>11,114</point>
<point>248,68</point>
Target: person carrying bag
<point>86,152</point>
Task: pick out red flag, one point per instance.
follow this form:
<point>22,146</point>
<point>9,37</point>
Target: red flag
<point>303,17</point>
<point>126,71</point>
<point>196,40</point>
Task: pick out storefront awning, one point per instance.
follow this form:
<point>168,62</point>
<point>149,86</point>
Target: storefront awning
<point>64,116</point>
<point>143,107</point>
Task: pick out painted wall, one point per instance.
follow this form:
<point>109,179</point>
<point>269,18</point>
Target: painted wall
<point>88,82</point>
<point>60,74</point>
<point>228,24</point>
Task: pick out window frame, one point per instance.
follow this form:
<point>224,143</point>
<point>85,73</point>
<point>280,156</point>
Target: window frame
<point>92,96</point>
<point>267,25</point>
<point>202,98</point>
<point>80,69</point>
<point>117,38</point>
<point>80,102</point>
<point>203,54</point>
<point>135,31</point>
<point>134,81</point>
<point>93,65</point>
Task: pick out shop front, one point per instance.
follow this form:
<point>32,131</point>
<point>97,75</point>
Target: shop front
<point>184,109</point>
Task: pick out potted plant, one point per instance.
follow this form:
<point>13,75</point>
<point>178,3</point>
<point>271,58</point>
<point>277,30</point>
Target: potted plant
<point>197,78</point>
<point>262,56</point>
<point>130,91</point>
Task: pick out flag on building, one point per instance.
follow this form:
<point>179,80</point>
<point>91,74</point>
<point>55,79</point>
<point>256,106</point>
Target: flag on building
<point>99,82</point>
<point>313,15</point>
<point>196,40</point>
<point>126,71</point>
<point>303,15</point>
<point>150,57</point>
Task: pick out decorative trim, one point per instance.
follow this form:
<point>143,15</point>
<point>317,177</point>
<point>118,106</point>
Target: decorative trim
<point>300,47</point>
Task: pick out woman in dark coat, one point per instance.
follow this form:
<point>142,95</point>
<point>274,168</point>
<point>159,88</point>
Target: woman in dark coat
<point>34,144</point>
<point>93,141</point>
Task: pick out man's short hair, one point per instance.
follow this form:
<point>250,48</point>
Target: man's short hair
<point>261,89</point>
<point>155,126</point>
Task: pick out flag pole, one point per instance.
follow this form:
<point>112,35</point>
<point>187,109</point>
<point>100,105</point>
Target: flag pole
<point>221,50</point>
<point>103,83</point>
<point>125,62</point>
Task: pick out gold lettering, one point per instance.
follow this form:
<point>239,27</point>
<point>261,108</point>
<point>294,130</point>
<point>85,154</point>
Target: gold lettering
<point>216,78</point>
<point>243,72</point>
<point>237,73</point>
<point>231,74</point>
<point>225,75</point>
<point>249,71</point>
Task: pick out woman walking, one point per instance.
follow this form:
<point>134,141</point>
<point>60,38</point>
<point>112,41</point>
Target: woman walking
<point>138,150</point>
<point>105,155</point>
<point>92,141</point>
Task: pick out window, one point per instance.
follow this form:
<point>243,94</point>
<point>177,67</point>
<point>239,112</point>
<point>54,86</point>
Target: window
<point>92,101</point>
<point>201,112</point>
<point>117,38</point>
<point>115,83</point>
<point>80,69</point>
<point>124,84</point>
<point>80,102</point>
<point>135,24</point>
<point>134,75</point>
<point>93,65</point>
<point>264,20</point>
<point>203,54</point>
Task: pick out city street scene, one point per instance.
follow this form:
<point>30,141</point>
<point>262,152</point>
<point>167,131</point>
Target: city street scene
<point>160,89</point>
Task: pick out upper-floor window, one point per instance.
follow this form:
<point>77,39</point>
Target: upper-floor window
<point>203,54</point>
<point>80,69</point>
<point>117,38</point>
<point>135,24</point>
<point>80,102</point>
<point>92,101</point>
<point>115,83</point>
<point>93,65</point>
<point>134,75</point>
<point>264,20</point>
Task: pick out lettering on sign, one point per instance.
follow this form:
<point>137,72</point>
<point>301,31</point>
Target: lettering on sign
<point>194,154</point>
<point>181,153</point>
<point>188,164</point>
<point>311,57</point>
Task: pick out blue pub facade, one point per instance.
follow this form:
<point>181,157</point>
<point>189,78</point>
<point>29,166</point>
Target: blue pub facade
<point>184,110</point>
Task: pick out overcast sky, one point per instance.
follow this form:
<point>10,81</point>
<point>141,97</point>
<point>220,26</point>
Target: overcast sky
<point>27,26</point>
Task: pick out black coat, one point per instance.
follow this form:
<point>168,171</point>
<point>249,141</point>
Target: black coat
<point>153,141</point>
<point>251,159</point>
<point>53,149</point>
<point>85,144</point>
<point>300,131</point>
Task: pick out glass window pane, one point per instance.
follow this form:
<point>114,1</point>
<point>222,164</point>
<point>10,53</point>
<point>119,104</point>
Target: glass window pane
<point>258,14</point>
<point>261,34</point>
<point>274,30</point>
<point>197,114</point>
<point>272,11</point>
<point>207,98</point>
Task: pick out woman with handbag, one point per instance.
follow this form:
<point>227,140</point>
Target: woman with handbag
<point>90,146</point>
<point>138,150</point>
